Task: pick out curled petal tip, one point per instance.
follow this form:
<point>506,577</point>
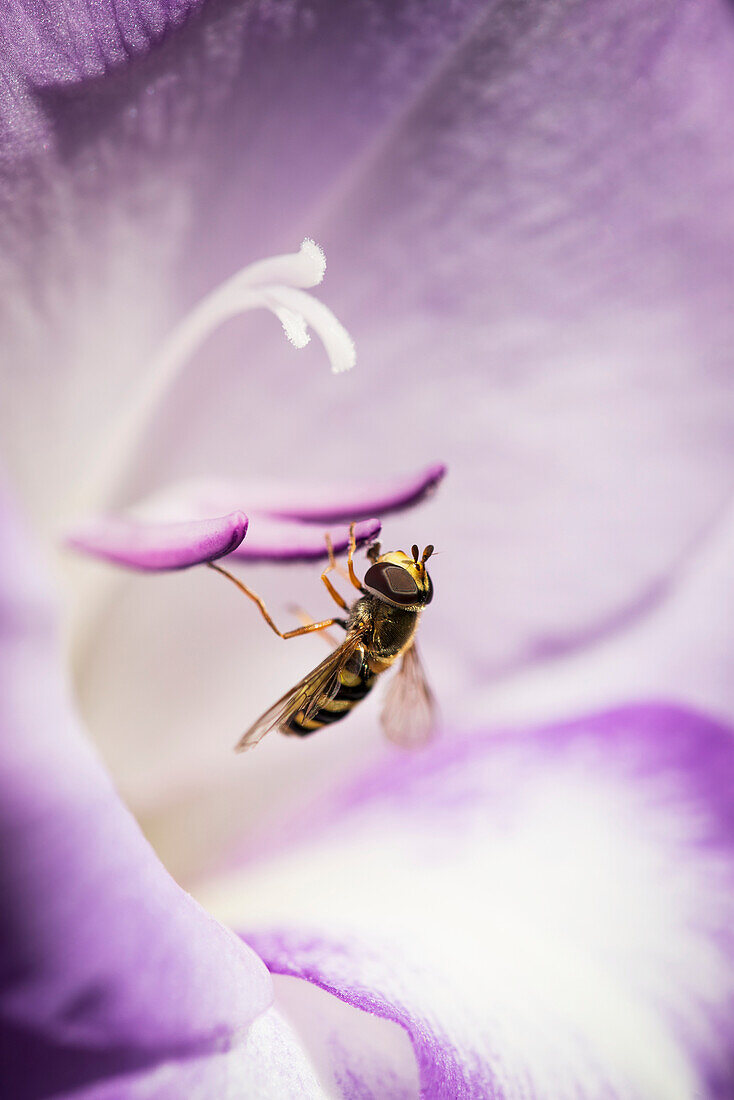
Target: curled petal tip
<point>368,529</point>
<point>436,472</point>
<point>154,547</point>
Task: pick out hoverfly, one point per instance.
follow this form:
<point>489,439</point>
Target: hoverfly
<point>380,628</point>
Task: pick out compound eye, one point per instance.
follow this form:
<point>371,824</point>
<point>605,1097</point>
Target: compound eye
<point>391,581</point>
<point>429,590</point>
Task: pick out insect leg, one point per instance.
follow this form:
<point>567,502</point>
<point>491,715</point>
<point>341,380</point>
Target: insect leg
<point>264,612</point>
<point>307,619</point>
<point>350,563</point>
<point>324,576</point>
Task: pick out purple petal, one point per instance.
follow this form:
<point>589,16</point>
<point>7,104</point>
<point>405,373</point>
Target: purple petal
<point>546,913</point>
<point>281,531</point>
<point>542,221</point>
<point>271,1064</point>
<point>471,253</point>
<point>528,317</point>
<point>119,628</point>
<point>315,502</point>
<point>334,503</point>
<point>158,546</point>
<point>524,315</point>
<point>103,176</point>
<point>270,540</point>
<point>76,41</point>
<point>107,967</point>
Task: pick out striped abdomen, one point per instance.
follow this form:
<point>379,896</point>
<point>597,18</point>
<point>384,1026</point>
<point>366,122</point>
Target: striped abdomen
<point>353,686</point>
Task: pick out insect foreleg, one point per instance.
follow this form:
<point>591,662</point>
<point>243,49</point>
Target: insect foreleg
<point>309,629</point>
<point>350,558</point>
<point>324,576</point>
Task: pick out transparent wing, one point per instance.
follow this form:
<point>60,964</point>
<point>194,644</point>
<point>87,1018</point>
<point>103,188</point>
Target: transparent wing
<point>308,694</point>
<point>409,712</point>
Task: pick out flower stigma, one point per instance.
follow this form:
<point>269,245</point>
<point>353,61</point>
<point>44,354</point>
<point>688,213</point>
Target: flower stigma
<point>280,284</point>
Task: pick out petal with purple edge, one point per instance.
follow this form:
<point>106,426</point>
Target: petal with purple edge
<point>159,546</point>
<point>355,501</point>
<point>546,913</point>
<point>542,221</point>
<point>106,966</point>
<point>580,293</point>
<point>148,753</point>
<point>278,1062</point>
<point>307,502</point>
<point>273,540</point>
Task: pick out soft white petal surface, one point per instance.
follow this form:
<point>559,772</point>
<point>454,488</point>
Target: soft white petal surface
<point>547,913</point>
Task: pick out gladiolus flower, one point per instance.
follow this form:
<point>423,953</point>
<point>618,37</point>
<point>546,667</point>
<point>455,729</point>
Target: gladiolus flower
<point>527,215</point>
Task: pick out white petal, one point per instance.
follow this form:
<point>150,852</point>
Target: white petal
<point>547,913</point>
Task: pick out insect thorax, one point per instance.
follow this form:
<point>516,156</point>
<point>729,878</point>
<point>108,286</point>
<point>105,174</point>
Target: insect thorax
<point>390,628</point>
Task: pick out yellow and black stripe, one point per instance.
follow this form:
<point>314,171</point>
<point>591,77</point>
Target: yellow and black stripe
<point>353,687</point>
